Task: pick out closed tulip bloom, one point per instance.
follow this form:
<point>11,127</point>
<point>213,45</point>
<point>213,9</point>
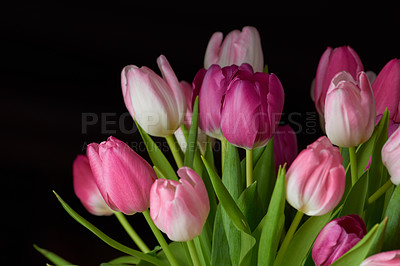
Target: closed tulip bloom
<point>122,176</point>
<point>285,146</point>
<point>86,189</point>
<point>238,47</point>
<point>211,85</point>
<point>252,108</point>
<point>180,209</point>
<point>336,238</point>
<point>391,156</point>
<point>316,179</point>
<point>349,110</point>
<point>332,61</point>
<point>386,88</point>
<point>157,103</point>
<point>387,258</point>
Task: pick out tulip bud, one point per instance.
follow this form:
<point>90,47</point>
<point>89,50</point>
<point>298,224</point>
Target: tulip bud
<point>285,146</point>
<point>349,110</point>
<point>237,48</point>
<point>391,156</point>
<point>336,238</point>
<point>333,61</point>
<point>316,179</point>
<point>387,258</point>
<point>86,189</point>
<point>252,108</point>
<point>180,209</point>
<point>122,176</point>
<point>386,88</point>
<point>157,104</point>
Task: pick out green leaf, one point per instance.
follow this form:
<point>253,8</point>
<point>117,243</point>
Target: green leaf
<point>124,260</point>
<point>303,240</point>
<point>355,200</point>
<point>391,241</point>
<point>226,199</point>
<point>108,240</point>
<point>220,248</point>
<point>156,156</point>
<point>376,247</point>
<point>177,249</point>
<point>51,256</point>
<point>360,251</point>
<point>191,146</point>
<point>273,223</point>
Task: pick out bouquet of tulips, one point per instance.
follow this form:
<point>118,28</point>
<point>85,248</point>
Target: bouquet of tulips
<point>336,202</point>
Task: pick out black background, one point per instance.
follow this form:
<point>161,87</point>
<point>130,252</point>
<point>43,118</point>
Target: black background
<point>62,63</point>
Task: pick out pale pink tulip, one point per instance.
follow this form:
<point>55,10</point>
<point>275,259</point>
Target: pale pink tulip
<point>157,104</point>
<point>237,48</point>
<point>86,189</point>
<point>349,110</point>
<point>316,179</point>
<point>180,209</point>
<point>336,238</point>
<point>387,258</point>
<point>122,176</point>
<point>391,156</point>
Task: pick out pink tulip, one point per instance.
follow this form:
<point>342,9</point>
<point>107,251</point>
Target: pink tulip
<point>157,104</point>
<point>122,176</point>
<point>285,146</point>
<point>252,108</point>
<point>349,110</point>
<point>237,48</point>
<point>336,238</point>
<point>316,179</point>
<point>86,189</point>
<point>180,209</point>
<point>387,258</point>
<point>386,89</point>
<point>391,156</point>
<point>333,61</point>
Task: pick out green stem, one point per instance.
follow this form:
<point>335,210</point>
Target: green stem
<point>382,190</point>
<point>175,150</point>
<point>249,167</point>
<point>223,151</point>
<point>131,232</point>
<point>160,238</point>
<point>193,253</point>
<point>353,165</point>
<point>289,235</point>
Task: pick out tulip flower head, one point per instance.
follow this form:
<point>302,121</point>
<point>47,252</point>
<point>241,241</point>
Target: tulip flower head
<point>386,88</point>
<point>238,47</point>
<point>122,176</point>
<point>285,146</point>
<point>333,61</point>
<point>157,104</point>
<point>387,258</point>
<point>86,189</point>
<point>336,238</point>
<point>391,156</point>
<point>349,110</point>
<point>180,209</point>
<point>316,179</point>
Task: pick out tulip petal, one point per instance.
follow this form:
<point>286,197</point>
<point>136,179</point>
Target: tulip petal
<point>212,51</point>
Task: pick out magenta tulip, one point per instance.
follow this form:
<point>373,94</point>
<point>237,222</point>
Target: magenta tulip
<point>157,104</point>
<point>387,258</point>
<point>86,189</point>
<point>316,179</point>
<point>391,156</point>
<point>237,48</point>
<point>349,110</point>
<point>336,238</point>
<point>285,146</point>
<point>252,108</point>
<point>386,88</point>
<point>180,209</point>
<point>122,176</point>
<point>333,61</point>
